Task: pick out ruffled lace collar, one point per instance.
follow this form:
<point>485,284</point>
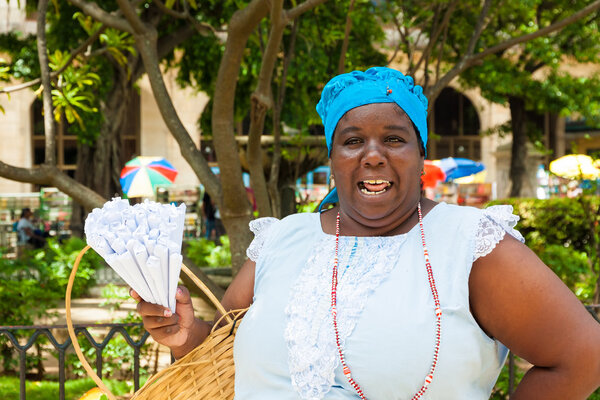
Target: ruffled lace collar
<point>365,262</point>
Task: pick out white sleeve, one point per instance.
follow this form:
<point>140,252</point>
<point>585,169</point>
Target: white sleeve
<point>495,222</point>
<point>260,227</point>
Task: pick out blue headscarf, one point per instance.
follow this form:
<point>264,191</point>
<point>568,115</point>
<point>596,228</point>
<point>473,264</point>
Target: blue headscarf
<point>376,85</point>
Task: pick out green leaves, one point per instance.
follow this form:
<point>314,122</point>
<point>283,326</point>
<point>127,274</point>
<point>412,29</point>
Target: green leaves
<point>74,90</point>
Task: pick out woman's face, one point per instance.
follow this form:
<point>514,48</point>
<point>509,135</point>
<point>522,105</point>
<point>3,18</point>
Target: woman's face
<point>377,162</point>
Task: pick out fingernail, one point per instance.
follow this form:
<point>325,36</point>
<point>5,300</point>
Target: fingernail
<point>167,313</point>
<point>179,291</point>
<point>131,292</point>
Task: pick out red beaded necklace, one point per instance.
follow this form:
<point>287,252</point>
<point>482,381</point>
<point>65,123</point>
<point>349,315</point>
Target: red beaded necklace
<point>434,293</point>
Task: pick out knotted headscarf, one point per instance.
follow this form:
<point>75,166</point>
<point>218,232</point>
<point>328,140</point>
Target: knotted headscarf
<point>375,85</point>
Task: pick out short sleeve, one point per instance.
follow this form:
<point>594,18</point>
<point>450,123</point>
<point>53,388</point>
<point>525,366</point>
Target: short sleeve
<point>260,227</point>
<point>495,222</point>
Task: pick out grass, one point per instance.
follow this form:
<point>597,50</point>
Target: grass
<point>47,390</point>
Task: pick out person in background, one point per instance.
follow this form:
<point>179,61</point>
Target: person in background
<point>27,232</point>
<point>208,209</point>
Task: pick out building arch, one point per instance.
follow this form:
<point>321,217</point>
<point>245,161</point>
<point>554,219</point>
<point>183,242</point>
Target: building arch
<point>456,124</point>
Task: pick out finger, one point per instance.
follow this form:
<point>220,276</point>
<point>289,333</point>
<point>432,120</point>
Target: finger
<point>135,295</point>
<point>148,309</point>
<point>182,295</point>
<point>163,332</point>
<point>159,322</point>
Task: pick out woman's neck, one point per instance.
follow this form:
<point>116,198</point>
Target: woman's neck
<point>393,225</point>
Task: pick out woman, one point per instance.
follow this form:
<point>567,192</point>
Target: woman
<point>388,295</point>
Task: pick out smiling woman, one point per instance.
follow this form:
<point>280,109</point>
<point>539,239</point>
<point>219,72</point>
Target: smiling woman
<point>388,295</point>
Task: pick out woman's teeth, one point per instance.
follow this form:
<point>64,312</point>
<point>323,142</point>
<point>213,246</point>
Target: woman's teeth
<point>375,186</point>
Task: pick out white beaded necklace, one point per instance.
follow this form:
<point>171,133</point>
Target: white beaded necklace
<point>434,293</point>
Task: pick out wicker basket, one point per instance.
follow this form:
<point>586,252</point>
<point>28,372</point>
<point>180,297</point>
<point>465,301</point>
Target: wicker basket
<point>207,372</point>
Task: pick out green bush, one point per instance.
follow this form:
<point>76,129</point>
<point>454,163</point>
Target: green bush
<point>562,232</point>
<point>36,282</point>
<point>307,207</point>
<point>204,252</point>
<point>561,221</point>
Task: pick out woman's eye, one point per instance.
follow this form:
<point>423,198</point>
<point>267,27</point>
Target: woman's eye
<point>352,141</point>
<point>394,139</point>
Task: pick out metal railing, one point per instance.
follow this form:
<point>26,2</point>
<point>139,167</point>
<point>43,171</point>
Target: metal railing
<point>61,348</point>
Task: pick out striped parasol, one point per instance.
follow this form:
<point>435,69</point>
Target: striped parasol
<point>141,176</point>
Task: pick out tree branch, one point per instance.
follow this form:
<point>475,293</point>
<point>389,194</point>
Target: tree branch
<point>52,176</point>
<point>49,127</point>
<point>273,184</point>
<point>438,30</point>
<point>302,8</point>
<point>146,45</point>
<point>202,27</point>
<point>132,17</point>
<point>347,29</point>
<point>540,32</point>
<point>468,60</point>
<point>261,102</point>
<point>176,14</point>
<point>93,10</point>
<point>164,46</point>
<point>479,27</point>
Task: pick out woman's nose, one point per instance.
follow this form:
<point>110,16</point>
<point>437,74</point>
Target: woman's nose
<point>374,155</point>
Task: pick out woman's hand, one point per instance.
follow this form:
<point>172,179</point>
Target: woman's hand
<point>180,331</point>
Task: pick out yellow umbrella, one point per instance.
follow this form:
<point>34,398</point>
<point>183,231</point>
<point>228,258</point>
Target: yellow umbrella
<point>575,166</point>
<point>475,178</point>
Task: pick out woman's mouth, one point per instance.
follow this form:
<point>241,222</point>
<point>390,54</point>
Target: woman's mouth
<point>374,186</point>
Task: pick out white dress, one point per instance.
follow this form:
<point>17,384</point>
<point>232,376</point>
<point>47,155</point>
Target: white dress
<point>285,347</point>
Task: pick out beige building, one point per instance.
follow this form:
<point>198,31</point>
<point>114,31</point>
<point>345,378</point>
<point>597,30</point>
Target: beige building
<point>460,118</point>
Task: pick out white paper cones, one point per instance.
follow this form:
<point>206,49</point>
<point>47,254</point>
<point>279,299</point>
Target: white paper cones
<point>142,243</point>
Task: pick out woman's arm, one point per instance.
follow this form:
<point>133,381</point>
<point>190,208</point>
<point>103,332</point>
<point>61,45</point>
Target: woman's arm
<point>522,303</point>
<point>182,332</point>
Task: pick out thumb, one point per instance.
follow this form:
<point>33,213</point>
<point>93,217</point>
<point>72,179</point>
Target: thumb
<point>184,306</point>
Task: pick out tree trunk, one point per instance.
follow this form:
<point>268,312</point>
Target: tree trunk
<point>103,158</point>
<point>518,157</point>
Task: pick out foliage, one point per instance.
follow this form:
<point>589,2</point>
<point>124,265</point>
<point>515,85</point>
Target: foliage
<point>44,390</point>
<point>501,388</point>
<point>511,73</point>
<point>316,55</point>
<point>205,252</point>
<point>307,207</point>
<point>32,284</point>
<point>568,251</point>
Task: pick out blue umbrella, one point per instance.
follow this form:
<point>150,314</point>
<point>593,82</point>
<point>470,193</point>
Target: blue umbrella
<point>459,167</point>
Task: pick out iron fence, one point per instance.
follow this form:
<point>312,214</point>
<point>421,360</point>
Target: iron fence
<point>61,348</point>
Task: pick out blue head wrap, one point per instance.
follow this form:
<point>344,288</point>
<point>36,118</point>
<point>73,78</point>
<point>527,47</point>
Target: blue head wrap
<point>376,85</point>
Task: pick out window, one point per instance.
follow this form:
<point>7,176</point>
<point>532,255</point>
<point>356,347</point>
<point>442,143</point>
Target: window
<point>67,145</point>
<point>456,121</point>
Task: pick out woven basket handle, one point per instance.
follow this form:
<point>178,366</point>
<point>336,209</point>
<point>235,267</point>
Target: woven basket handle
<point>71,329</point>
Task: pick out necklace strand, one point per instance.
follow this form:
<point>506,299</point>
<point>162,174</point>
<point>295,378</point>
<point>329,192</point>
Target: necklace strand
<point>434,293</point>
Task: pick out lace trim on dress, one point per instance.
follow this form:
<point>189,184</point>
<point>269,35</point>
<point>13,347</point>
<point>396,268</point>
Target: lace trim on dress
<point>312,353</point>
<point>493,225</point>
<point>260,228</point>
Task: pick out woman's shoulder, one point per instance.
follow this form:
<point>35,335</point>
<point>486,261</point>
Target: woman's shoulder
<point>269,229</point>
<point>263,224</point>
